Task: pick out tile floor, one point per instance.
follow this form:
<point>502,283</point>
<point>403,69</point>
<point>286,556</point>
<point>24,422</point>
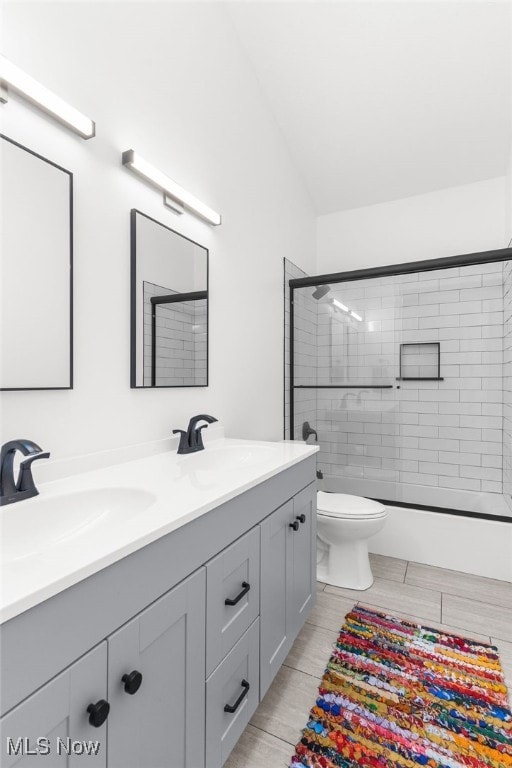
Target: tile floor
<point>461,603</point>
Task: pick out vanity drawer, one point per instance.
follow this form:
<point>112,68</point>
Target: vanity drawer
<point>232,696</point>
<point>233,589</point>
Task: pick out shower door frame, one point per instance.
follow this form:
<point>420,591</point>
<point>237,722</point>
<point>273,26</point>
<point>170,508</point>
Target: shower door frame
<point>427,265</point>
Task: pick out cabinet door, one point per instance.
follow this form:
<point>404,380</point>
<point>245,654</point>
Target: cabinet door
<point>233,586</point>
<point>276,577</point>
<point>302,593</point>
<point>161,723</point>
<point>52,726</point>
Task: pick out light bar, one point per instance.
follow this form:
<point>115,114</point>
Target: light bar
<point>172,190</point>
<point>12,77</point>
<point>340,305</point>
<point>357,317</point>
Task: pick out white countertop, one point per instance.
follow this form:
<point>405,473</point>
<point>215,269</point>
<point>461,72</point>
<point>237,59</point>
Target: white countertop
<point>132,504</point>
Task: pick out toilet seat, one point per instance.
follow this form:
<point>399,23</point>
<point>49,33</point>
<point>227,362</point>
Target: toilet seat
<point>344,506</point>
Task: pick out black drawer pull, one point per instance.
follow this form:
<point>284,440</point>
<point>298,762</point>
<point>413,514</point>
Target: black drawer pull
<point>98,712</point>
<point>132,682</point>
<point>294,525</point>
<point>233,707</point>
<point>301,518</point>
<point>246,587</point>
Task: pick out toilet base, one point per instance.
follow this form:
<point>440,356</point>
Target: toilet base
<point>346,565</point>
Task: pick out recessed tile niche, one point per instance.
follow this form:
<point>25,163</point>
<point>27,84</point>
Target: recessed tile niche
<point>420,361</point>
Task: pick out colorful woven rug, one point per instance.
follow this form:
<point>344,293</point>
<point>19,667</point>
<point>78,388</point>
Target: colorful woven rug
<point>399,695</point>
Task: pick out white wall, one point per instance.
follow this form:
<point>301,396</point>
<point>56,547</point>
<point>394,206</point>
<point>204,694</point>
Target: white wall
<point>449,222</point>
<point>509,176</point>
<point>170,81</point>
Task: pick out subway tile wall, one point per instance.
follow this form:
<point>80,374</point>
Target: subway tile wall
<point>507,382</point>
<point>181,340</point>
<point>200,339</point>
<point>441,434</point>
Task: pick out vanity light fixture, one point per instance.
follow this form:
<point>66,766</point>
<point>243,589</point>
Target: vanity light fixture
<point>14,78</point>
<point>357,317</point>
<point>174,196</point>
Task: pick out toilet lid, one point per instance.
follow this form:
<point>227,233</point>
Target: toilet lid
<point>343,505</point>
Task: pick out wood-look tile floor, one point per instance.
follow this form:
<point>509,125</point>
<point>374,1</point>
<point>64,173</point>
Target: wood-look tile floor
<point>458,602</point>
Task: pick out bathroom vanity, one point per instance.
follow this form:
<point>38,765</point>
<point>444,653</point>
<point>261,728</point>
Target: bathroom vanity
<point>157,633</point>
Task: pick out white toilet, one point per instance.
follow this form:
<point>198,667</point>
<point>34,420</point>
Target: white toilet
<point>344,525</point>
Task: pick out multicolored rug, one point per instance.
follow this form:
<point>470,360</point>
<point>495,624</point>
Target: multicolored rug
<point>399,695</point>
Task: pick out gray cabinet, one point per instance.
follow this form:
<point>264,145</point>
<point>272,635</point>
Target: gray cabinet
<point>176,617</point>
<point>275,608</point>
<point>302,591</point>
<point>288,567</point>
<point>233,586</point>
<point>157,711</point>
<point>52,726</point>
<point>232,695</point>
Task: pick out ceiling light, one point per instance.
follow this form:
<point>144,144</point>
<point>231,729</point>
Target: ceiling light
<point>12,77</point>
<point>171,190</point>
<point>340,305</point>
<point>357,317</point>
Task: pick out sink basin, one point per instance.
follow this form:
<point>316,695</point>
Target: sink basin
<point>229,457</point>
<point>37,525</point>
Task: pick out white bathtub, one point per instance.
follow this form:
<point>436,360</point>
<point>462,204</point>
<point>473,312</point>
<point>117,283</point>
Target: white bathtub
<point>471,545</point>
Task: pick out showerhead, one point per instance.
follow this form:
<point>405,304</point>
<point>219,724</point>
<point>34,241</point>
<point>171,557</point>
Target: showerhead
<point>320,291</point>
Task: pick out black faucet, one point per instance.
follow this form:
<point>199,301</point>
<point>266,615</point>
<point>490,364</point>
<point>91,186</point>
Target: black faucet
<point>192,440</point>
<point>10,490</point>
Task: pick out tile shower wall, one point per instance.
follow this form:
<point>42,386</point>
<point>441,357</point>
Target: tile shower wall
<point>507,382</point>
<point>444,434</point>
<point>180,340</point>
<point>305,339</point>
<point>200,328</point>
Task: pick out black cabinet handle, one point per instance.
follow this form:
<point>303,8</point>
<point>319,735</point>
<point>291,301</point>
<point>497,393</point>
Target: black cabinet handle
<point>98,712</point>
<point>294,525</point>
<point>132,682</point>
<point>301,518</point>
<point>233,707</point>
<point>245,588</point>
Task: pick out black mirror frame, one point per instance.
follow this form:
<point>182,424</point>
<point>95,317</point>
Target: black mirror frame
<point>71,238</point>
<point>133,305</point>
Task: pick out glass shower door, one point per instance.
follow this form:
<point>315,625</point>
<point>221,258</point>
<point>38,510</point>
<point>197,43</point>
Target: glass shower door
<point>344,382</point>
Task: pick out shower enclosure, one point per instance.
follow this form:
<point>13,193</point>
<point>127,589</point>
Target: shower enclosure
<point>405,374</point>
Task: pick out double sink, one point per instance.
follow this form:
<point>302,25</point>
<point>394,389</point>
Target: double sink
<point>83,523</point>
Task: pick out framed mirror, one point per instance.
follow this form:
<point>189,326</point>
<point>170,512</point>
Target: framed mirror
<point>36,288</point>
<point>169,307</point>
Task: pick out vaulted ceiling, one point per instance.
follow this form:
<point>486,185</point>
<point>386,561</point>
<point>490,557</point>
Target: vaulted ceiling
<point>383,100</point>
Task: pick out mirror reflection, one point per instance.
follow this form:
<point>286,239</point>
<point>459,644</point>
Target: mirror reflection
<point>169,307</point>
<point>36,244</point>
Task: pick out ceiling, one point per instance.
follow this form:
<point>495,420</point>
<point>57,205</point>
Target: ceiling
<point>383,100</point>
